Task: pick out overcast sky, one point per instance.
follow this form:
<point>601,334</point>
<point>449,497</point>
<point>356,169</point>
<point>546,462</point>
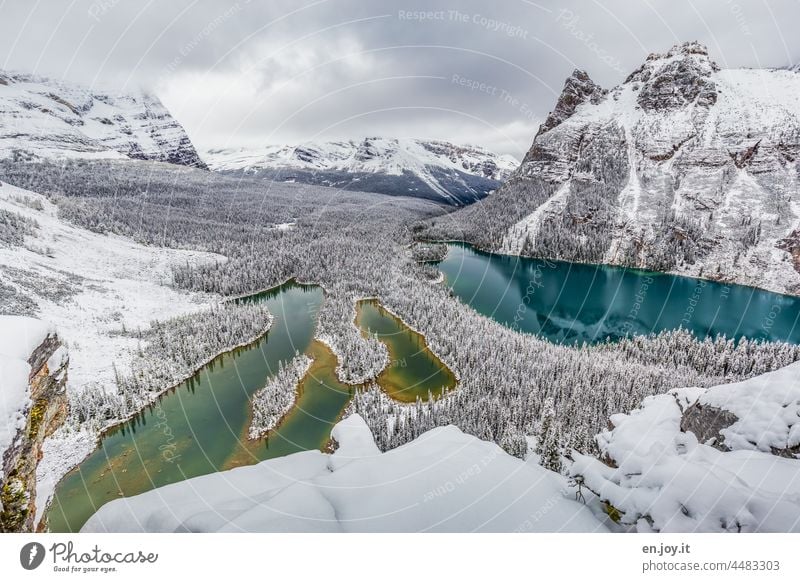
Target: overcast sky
<point>254,72</point>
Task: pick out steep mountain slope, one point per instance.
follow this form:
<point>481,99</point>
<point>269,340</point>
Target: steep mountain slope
<point>435,170</point>
<point>684,167</point>
<point>47,118</point>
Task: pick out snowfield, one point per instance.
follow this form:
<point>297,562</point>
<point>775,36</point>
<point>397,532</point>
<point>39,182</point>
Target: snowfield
<point>90,285</point>
<point>444,481</point>
<point>19,336</point>
<point>661,478</point>
<point>654,475</point>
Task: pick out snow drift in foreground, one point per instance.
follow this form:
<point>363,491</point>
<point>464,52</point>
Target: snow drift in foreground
<point>19,336</point>
<point>744,476</point>
<point>442,481</point>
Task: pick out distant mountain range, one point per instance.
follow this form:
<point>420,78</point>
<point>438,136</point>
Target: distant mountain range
<point>47,118</point>
<point>684,167</point>
<point>436,170</point>
<point>43,118</point>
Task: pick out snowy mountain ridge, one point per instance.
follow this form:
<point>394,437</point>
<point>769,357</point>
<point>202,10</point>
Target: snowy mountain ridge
<point>47,118</point>
<point>684,167</point>
<point>437,170</point>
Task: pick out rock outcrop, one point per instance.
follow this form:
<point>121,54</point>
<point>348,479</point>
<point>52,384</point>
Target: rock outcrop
<point>46,412</point>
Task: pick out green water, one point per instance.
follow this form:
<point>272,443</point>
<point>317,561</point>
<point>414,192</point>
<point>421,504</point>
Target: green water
<point>413,371</point>
<point>572,303</point>
<point>201,426</point>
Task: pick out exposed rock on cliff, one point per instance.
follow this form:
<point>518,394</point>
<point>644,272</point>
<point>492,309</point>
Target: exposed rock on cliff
<point>683,168</point>
<point>40,410</point>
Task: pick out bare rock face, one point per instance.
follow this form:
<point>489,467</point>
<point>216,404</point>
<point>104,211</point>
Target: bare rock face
<point>706,422</point>
<point>578,89</point>
<point>791,244</point>
<point>676,79</point>
<point>18,476</point>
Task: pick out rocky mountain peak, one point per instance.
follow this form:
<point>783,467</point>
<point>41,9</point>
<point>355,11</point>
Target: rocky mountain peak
<point>682,168</point>
<point>679,77</point>
<point>578,89</point>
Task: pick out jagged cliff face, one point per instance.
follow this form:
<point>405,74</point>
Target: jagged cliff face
<point>47,411</point>
<point>684,167</point>
<point>46,118</point>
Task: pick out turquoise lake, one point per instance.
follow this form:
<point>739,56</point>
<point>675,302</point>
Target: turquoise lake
<point>573,303</point>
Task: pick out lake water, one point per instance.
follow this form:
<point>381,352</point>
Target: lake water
<point>574,303</point>
<point>201,426</point>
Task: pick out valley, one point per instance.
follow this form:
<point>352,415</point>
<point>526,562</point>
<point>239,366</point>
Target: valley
<point>288,321</point>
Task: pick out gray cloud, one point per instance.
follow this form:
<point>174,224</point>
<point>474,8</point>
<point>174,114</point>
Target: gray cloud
<point>249,72</point>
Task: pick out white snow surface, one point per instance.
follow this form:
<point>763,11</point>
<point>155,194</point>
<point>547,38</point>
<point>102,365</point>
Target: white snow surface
<point>19,336</point>
<point>442,481</point>
<point>665,480</point>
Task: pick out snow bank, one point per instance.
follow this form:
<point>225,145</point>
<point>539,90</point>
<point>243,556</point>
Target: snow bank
<point>19,336</point>
<point>768,409</point>
<point>442,481</point>
<point>661,478</point>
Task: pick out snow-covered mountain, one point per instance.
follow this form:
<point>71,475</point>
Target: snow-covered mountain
<point>436,170</point>
<point>46,118</point>
<point>684,167</point>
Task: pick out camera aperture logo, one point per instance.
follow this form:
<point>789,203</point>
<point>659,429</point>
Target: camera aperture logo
<point>31,555</point>
<point>66,558</point>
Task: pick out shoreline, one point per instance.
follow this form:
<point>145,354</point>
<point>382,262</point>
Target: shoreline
<point>98,434</point>
<point>476,248</point>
